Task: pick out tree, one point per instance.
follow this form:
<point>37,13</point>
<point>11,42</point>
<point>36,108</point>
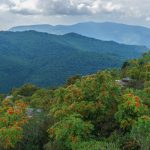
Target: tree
<point>25,90</point>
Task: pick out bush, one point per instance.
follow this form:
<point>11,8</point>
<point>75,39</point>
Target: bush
<point>70,131</point>
<point>12,120</point>
<point>129,110</point>
<point>141,132</point>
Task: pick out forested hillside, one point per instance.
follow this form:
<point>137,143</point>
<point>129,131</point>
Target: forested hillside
<point>48,60</point>
<point>106,110</point>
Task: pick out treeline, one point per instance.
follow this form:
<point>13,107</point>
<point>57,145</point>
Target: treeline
<point>106,110</point>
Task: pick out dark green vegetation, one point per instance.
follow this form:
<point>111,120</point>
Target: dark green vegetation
<point>48,60</point>
<point>109,31</point>
<point>94,112</point>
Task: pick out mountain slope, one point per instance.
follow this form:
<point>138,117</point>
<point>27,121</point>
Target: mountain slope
<point>46,59</point>
<point>108,31</point>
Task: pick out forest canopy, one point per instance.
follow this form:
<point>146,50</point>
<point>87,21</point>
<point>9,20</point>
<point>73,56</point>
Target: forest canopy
<point>48,60</point>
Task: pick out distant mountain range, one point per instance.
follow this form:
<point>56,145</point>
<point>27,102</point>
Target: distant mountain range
<point>127,34</point>
<point>48,60</point>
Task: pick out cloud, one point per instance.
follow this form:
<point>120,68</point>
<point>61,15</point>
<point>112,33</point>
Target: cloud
<point>59,7</point>
<point>3,8</point>
<point>134,8</point>
<point>147,19</point>
<point>66,11</point>
<point>24,7</point>
<point>77,7</point>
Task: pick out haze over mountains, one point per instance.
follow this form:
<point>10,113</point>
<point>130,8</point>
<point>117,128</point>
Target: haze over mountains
<point>48,60</point>
<point>108,31</point>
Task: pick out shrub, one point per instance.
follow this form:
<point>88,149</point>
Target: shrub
<point>141,132</point>
<point>129,110</point>
<point>12,120</point>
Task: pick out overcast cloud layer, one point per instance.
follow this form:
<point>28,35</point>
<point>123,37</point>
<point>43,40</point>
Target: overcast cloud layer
<point>19,12</point>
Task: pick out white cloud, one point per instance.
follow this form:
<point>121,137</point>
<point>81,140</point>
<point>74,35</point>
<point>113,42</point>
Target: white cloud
<point>4,7</point>
<point>60,7</point>
<point>24,7</point>
<point>147,18</point>
<point>19,5</point>
<point>134,8</point>
<point>77,7</point>
<point>100,6</point>
<point>127,11</point>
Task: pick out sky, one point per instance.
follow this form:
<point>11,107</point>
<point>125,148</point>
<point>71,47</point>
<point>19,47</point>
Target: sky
<point>26,12</point>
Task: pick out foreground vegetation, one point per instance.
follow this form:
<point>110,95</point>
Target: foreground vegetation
<point>94,112</point>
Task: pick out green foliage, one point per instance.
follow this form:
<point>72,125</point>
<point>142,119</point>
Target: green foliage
<point>71,131</point>
<point>93,112</point>
<point>26,90</point>
<point>95,145</point>
<point>94,97</point>
<point>85,110</point>
<point>2,96</point>
<point>141,132</point>
<point>42,98</point>
<point>138,69</point>
<point>35,133</point>
<point>73,79</point>
<point>129,110</point>
<point>98,99</point>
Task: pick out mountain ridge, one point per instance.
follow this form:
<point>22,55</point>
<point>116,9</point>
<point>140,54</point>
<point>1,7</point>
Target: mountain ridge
<point>108,31</point>
<point>49,60</point>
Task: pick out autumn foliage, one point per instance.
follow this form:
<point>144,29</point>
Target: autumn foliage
<point>92,112</point>
<point>12,119</point>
